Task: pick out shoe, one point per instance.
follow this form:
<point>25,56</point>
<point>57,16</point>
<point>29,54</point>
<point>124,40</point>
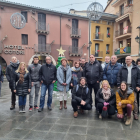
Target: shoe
<point>40,109</point>
<point>61,105</point>
<point>23,109</point>
<point>100,116</point>
<point>12,107</point>
<point>136,117</point>
<point>36,107</point>
<point>65,104</point>
<point>50,108</point>
<point>75,114</point>
<point>20,109</point>
<point>30,109</point>
<point>128,121</point>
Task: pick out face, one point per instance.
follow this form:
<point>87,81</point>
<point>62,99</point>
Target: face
<point>22,67</point>
<point>92,58</point>
<point>123,86</point>
<point>83,61</point>
<point>107,59</point>
<point>128,60</point>
<point>64,63</point>
<point>113,59</point>
<point>77,65</point>
<point>105,85</point>
<point>14,60</point>
<point>139,63</point>
<point>83,82</point>
<point>36,60</point>
<point>80,61</point>
<point>48,60</point>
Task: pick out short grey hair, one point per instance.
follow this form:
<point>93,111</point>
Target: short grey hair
<point>13,57</point>
<point>113,55</point>
<point>49,57</point>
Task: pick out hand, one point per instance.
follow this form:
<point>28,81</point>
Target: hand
<point>97,81</point>
<point>29,90</point>
<point>15,91</point>
<point>118,87</point>
<point>53,81</point>
<point>137,88</point>
<point>64,84</point>
<point>83,102</point>
<point>106,104</point>
<point>32,84</point>
<point>71,84</point>
<point>120,104</point>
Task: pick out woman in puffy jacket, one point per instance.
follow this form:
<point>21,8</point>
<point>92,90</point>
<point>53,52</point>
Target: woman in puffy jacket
<point>23,86</point>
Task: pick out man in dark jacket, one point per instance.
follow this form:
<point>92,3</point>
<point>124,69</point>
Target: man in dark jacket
<point>93,73</point>
<point>111,71</point>
<point>47,78</point>
<point>83,63</point>
<point>130,73</point>
<point>10,72</point>
<point>81,97</point>
<point>1,78</point>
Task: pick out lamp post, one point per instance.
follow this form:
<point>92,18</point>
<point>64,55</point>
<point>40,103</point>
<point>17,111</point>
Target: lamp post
<point>138,39</point>
<point>90,43</point>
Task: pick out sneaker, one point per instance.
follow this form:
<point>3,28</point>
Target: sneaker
<point>20,109</point>
<point>128,121</point>
<point>36,107</point>
<point>40,109</point>
<point>12,107</point>
<point>23,109</point>
<point>50,108</point>
<point>30,109</point>
<point>100,116</point>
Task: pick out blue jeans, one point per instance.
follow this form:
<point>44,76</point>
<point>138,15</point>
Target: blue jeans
<point>43,94</point>
<point>22,100</point>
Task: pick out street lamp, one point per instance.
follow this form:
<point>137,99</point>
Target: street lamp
<point>138,39</point>
<point>90,43</point>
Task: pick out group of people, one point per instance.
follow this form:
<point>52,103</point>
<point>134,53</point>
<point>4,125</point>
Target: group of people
<point>116,87</point>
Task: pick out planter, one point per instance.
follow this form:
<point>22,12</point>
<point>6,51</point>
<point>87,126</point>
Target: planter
<point>130,4</point>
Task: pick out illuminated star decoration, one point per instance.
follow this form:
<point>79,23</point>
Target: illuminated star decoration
<point>61,51</point>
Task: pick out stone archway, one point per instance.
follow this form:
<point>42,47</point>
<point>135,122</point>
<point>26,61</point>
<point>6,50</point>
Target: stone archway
<point>30,61</point>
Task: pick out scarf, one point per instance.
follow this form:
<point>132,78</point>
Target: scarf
<point>106,94</point>
<point>15,65</point>
<point>21,76</point>
<point>75,69</point>
<point>64,71</point>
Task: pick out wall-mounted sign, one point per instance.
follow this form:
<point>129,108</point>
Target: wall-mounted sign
<point>14,49</point>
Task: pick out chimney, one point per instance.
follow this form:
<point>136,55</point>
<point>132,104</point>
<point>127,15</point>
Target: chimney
<point>72,11</point>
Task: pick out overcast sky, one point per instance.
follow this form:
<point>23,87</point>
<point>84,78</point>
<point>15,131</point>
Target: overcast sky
<point>59,5</point>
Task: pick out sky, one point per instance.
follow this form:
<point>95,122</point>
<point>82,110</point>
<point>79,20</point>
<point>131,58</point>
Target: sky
<point>59,5</point>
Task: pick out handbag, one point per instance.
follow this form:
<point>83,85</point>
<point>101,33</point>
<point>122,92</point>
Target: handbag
<point>104,112</point>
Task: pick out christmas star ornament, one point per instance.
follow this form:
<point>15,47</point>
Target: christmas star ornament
<point>61,51</point>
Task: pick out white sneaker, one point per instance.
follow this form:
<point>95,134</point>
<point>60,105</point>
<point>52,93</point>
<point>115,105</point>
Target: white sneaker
<point>100,116</point>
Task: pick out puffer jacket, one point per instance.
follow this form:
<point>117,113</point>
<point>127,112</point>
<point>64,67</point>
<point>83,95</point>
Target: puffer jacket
<point>60,78</point>
<point>111,72</point>
<point>129,100</point>
<point>22,89</point>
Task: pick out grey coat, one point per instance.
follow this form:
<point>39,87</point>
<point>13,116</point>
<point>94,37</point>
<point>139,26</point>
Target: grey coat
<point>60,78</point>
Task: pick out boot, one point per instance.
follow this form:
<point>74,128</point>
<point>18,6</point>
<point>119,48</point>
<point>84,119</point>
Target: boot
<point>20,109</point>
<point>12,107</point>
<point>75,114</point>
<point>61,105</point>
<point>65,104</point>
<point>23,109</point>
<point>128,121</point>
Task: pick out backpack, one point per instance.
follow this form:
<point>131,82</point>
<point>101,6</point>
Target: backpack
<point>77,87</point>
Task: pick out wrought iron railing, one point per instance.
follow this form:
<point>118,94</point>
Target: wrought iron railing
<point>42,27</point>
<point>42,48</point>
<point>75,51</point>
<point>98,53</point>
<point>121,32</point>
<point>75,32</point>
<point>123,50</point>
<point>98,36</point>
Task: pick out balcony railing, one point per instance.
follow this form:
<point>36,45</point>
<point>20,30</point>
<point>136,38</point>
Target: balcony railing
<point>75,32</point>
<point>123,50</point>
<point>98,53</point>
<point>108,52</point>
<point>42,48</point>
<point>98,36</point>
<point>75,51</point>
<point>121,32</point>
<point>42,28</point>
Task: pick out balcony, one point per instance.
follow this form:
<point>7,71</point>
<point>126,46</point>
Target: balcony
<point>123,51</point>
<point>75,33</point>
<point>98,54</point>
<point>98,37</point>
<point>42,48</point>
<point>42,28</point>
<point>75,51</point>
<point>107,52</point>
<point>123,33</point>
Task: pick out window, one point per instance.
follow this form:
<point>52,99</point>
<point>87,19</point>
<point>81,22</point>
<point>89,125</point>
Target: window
<point>96,50</point>
<point>107,49</point>
<point>25,15</point>
<point>75,26</point>
<point>130,1</point>
<point>24,39</point>
<point>108,32</point>
<point>74,45</point>
<point>97,32</point>
<point>129,42</point>
<point>120,44</point>
<point>41,21</point>
<point>122,10</point>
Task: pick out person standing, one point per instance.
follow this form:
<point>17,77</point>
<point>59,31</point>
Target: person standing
<point>63,81</point>
<point>23,87</point>
<point>83,63</point>
<point>1,78</point>
<point>107,60</point>
<point>93,73</point>
<point>111,72</point>
<point>47,78</point>
<point>130,73</point>
<point>10,71</point>
<point>34,72</point>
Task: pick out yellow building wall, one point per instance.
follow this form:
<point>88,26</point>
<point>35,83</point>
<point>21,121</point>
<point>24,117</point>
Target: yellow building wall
<point>102,44</point>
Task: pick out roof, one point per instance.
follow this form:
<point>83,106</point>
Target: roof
<point>39,9</point>
<point>107,5</point>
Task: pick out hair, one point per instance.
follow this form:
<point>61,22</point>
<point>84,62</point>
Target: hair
<point>113,55</point>
<point>17,71</point>
<point>35,57</point>
<point>105,81</point>
<point>138,60</point>
<point>124,92</point>
<point>49,57</point>
<point>83,58</point>
<point>64,59</point>
<point>91,55</point>
<point>77,63</point>
<point>13,57</point>
<point>107,56</point>
<point>82,79</point>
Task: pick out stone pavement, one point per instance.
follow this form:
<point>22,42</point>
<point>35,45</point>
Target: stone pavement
<point>59,125</point>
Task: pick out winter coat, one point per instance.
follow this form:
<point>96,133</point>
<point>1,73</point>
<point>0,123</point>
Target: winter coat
<point>60,78</point>
<point>129,100</point>
<point>81,94</point>
<point>111,100</point>
<point>22,88</point>
<point>1,74</point>
<point>103,65</point>
<point>83,67</point>
<point>110,73</point>
<point>135,76</point>
<point>47,74</point>
<point>93,72</point>
<point>34,72</point>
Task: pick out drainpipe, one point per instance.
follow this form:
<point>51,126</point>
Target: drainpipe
<point>60,29</point>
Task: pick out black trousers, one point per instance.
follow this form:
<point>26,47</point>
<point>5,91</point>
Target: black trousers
<point>96,87</point>
<point>111,109</point>
<point>75,103</point>
<point>138,96</point>
<point>13,97</point>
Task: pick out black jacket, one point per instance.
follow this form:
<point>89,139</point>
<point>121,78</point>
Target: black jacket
<point>22,89</point>
<point>135,76</point>
<point>111,101</point>
<point>83,67</point>
<point>47,74</point>
<point>93,72</point>
<point>81,94</point>
<point>10,72</point>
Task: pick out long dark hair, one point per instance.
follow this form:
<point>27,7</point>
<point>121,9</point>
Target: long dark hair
<point>138,60</point>
<point>124,93</point>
